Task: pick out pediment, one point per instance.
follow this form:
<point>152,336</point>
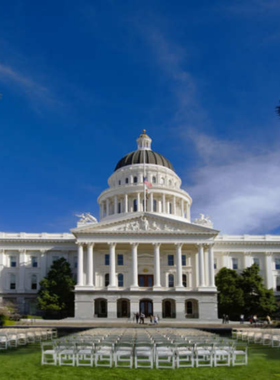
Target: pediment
<point>140,223</point>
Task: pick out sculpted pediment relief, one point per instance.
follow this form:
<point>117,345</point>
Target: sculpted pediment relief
<point>146,224</point>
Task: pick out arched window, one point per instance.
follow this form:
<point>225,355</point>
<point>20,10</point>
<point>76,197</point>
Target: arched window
<point>34,282</point>
<point>184,278</point>
<point>107,279</point>
<point>135,205</point>
<point>154,205</point>
<point>120,280</point>
<point>154,179</point>
<point>171,280</point>
<point>135,179</point>
<point>189,307</point>
<point>170,182</point>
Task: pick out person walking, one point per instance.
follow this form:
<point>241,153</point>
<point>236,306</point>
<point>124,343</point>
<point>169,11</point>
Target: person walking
<point>242,319</point>
<point>137,317</point>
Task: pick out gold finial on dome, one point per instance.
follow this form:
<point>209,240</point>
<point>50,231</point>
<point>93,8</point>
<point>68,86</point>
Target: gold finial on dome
<point>144,131</point>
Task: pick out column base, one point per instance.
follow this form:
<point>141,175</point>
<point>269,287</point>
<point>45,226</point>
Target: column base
<point>157,287</point>
<point>134,287</point>
<point>111,287</point>
<point>180,288</point>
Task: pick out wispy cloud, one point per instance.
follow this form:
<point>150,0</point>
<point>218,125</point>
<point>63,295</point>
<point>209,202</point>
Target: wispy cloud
<point>240,190</point>
<point>254,6</point>
<point>36,92</point>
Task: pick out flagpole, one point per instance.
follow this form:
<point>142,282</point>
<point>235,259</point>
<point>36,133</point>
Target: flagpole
<point>144,176</point>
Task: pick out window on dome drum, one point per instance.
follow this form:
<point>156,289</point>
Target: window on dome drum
<point>135,179</point>
<point>119,207</point>
<point>120,259</point>
<point>107,279</point>
<point>135,205</point>
<point>170,182</point>
<point>234,263</point>
<point>277,263</point>
<point>256,261</point>
<point>12,281</point>
<point>34,282</point>
<point>278,284</point>
<point>170,260</point>
<point>120,280</point>
<point>184,260</point>
<point>13,261</point>
<point>154,205</point>
<point>154,179</point>
<point>126,180</point>
<point>120,182</point>
<point>75,262</point>
<point>162,181</point>
<point>107,259</point>
<point>34,261</point>
<point>184,279</point>
<point>171,281</point>
<point>215,263</point>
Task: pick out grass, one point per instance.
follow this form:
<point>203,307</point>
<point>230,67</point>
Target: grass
<point>24,364</point>
<point>9,323</point>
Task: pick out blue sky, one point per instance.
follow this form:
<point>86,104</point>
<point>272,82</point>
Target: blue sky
<point>80,80</point>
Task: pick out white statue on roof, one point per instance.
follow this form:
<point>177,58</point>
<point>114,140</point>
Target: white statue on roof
<point>85,219</point>
<point>203,221</point>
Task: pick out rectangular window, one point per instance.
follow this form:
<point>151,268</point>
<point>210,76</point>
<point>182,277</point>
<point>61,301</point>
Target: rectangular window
<point>120,182</point>
<point>107,259</point>
<point>215,263</point>
<point>34,282</point>
<point>120,259</point>
<point>170,260</point>
<point>119,207</point>
<point>135,179</point>
<point>256,261</point>
<point>12,282</point>
<point>184,260</point>
<point>184,280</point>
<point>34,261</point>
<point>277,263</point>
<point>75,262</point>
<point>170,280</point>
<point>13,261</point>
<point>126,180</point>
<point>154,205</point>
<point>170,208</point>
<point>234,263</point>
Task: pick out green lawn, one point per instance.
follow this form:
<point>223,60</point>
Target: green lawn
<point>24,363</point>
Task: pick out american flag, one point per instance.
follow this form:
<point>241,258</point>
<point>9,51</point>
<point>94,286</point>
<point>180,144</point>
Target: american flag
<point>147,183</point>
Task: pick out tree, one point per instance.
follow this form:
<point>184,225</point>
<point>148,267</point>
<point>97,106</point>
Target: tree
<point>244,293</point>
<point>230,296</point>
<point>257,299</point>
<point>56,296</point>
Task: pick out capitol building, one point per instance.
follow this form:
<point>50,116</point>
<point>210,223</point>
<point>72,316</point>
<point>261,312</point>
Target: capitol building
<point>144,254</point>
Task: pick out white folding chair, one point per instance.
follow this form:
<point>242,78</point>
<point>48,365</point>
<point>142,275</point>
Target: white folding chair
<point>240,354</point>
<point>49,354</point>
<point>185,355</point>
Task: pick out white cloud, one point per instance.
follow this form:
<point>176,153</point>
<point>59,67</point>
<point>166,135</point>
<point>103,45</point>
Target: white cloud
<point>239,189</point>
<point>35,91</point>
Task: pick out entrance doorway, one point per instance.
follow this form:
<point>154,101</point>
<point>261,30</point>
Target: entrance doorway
<point>146,280</point>
<point>168,309</point>
<point>100,307</point>
<point>123,308</point>
<point>146,307</point>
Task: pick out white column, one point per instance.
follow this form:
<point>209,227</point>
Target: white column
<point>22,264</point>
<point>125,203</point>
<point>90,264</point>
<point>247,260</point>
<point>188,212</point>
<point>157,265</point>
<point>201,265</point>
<point>134,268</point>
<point>268,270</point>
<point>115,204</point>
<point>101,210</point>
<point>80,265</point>
<point>190,283</point>
<point>138,202</point>
<point>43,263</point>
<point>151,202</point>
<point>182,207</point>
<point>159,206</point>
<point>196,270</point>
<point>211,266</point>
<point>107,206</point>
<point>163,204</point>
<point>225,259</point>
<point>179,285</point>
<point>174,205</point>
<point>112,283</point>
<point>206,270</point>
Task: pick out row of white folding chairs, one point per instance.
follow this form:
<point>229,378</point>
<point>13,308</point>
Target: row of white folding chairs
<point>12,338</point>
<point>267,338</point>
